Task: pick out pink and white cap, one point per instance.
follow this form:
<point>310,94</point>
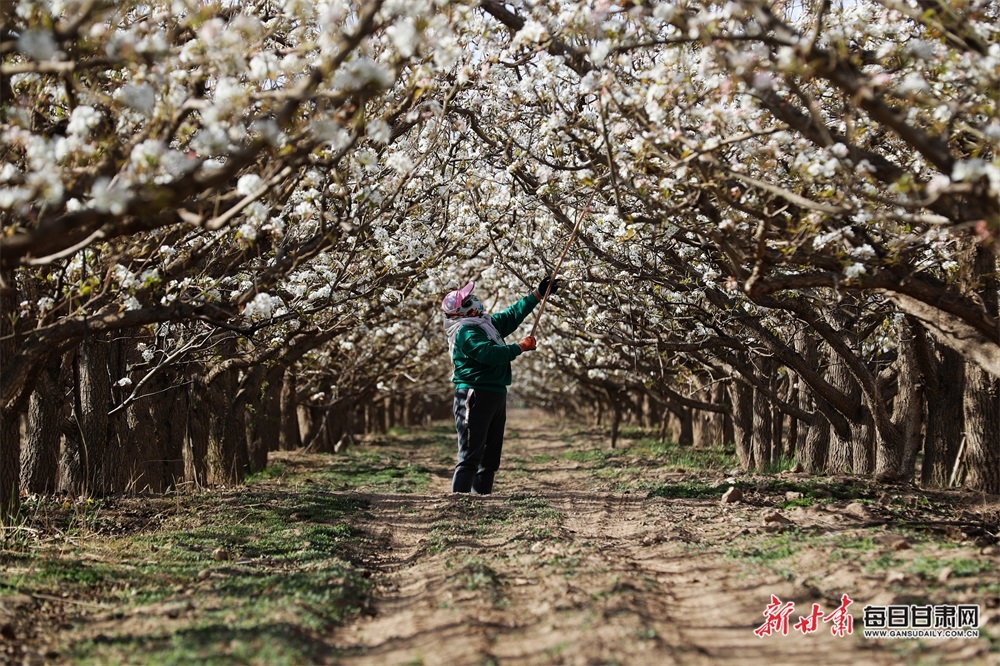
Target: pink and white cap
<point>452,303</point>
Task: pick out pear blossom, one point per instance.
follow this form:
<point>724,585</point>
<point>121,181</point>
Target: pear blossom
<point>82,120</point>
<point>38,44</point>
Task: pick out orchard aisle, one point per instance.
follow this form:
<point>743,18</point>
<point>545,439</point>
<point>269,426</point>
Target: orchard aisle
<point>555,569</point>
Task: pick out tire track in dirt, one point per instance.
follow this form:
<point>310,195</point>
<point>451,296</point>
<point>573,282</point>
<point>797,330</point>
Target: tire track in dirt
<point>555,570</point>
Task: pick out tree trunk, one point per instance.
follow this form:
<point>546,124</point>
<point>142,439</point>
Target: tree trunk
<point>227,459</point>
<point>794,426</point>
<point>812,438</point>
<point>44,422</point>
<point>982,393</point>
<point>908,409</point>
<point>10,436</point>
<point>778,432</point>
<point>663,422</point>
<point>196,443</point>
<point>728,430</point>
<point>93,400</point>
<point>72,460</point>
<point>264,416</point>
<point>812,455</point>
<point>982,430</point>
<point>943,370</point>
<point>341,421</point>
<point>761,435</point>
<point>290,438</point>
<point>687,427</point>
<point>305,423</point>
<point>616,419</point>
<point>863,444</point>
<point>322,427</point>
<point>840,456</point>
<point>10,420</point>
<point>336,422</point>
<point>616,412</point>
<point>132,437</point>
<point>710,426</point>
<point>173,463</point>
<point>853,451</point>
<point>742,398</point>
<point>158,446</point>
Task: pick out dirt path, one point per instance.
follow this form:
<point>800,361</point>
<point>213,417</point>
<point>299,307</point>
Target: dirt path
<point>557,569</point>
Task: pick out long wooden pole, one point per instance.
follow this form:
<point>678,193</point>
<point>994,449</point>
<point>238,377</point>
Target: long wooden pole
<point>555,271</point>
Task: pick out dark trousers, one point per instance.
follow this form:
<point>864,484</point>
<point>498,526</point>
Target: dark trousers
<point>480,418</point>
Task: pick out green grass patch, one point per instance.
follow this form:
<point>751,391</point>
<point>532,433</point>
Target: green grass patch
<point>883,562</point>
<point>371,468</point>
<point>477,575</point>
<point>687,490</point>
<point>669,454</point>
<point>633,432</point>
<point>479,518</point>
<point>818,489</point>
<point>767,552</point>
<point>643,447</point>
<point>472,573</point>
<point>798,501</point>
<point>387,464</point>
<point>279,644</point>
<point>783,464</point>
<point>269,473</point>
<point>849,547</point>
<point>931,568</point>
<point>595,456</point>
<point>255,576</point>
<point>56,573</point>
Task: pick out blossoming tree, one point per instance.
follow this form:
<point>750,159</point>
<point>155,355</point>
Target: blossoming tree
<point>788,220</point>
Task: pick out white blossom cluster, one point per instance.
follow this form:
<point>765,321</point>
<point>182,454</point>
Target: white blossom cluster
<point>443,148</point>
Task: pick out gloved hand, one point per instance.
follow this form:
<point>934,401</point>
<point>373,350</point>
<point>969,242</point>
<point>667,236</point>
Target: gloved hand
<point>527,344</point>
<point>544,284</point>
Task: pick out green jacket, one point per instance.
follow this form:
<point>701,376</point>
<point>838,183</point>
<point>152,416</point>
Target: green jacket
<point>483,364</point>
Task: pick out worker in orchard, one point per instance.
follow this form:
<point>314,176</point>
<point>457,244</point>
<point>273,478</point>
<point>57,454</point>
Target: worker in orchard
<point>482,374</point>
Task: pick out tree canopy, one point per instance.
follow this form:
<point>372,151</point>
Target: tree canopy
<point>789,202</point>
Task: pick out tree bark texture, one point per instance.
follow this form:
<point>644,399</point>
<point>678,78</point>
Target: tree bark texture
<point>177,425</point>
<point>863,444</point>
<point>743,401</point>
<point>840,456</point>
<point>10,421</point>
<point>263,415</point>
<point>290,437</point>
<point>982,391</point>
<point>813,441</point>
<point>682,419</point>
<point>91,406</point>
<point>153,424</point>
<point>943,370</point>
<point>982,430</point>
<point>709,427</point>
<point>909,408</point>
<point>10,435</point>
<point>614,402</point>
<point>132,437</point>
<point>196,442</point>
<point>778,450</point>
<point>816,446</point>
<point>763,445</point>
<point>43,431</point>
<point>227,457</point>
